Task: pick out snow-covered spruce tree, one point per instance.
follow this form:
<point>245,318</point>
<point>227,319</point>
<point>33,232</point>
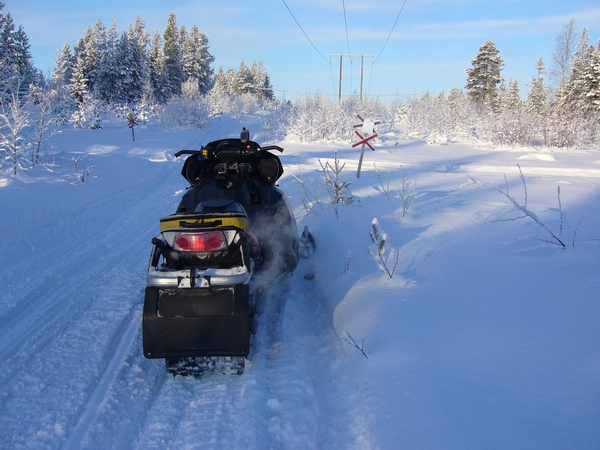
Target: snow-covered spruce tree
<point>485,76</point>
<point>109,76</point>
<point>243,82</point>
<point>62,84</point>
<point>536,106</point>
<point>507,125</point>
<point>593,76</point>
<point>16,65</point>
<point>261,82</point>
<point>173,58</point>
<point>582,96</point>
<point>128,83</point>
<point>157,82</point>
<point>134,62</point>
<point>577,84</point>
<point>197,59</point>
<point>88,54</point>
<point>79,83</point>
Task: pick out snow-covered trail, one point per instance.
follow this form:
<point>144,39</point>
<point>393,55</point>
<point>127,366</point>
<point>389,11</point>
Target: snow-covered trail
<point>72,371</point>
<point>74,313</point>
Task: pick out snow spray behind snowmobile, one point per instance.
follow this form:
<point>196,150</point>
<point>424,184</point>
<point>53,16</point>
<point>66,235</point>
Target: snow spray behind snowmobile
<point>231,222</point>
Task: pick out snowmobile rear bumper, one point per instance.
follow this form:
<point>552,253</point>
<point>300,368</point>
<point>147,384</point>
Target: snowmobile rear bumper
<point>179,323</point>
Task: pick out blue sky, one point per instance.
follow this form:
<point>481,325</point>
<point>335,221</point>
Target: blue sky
<point>429,49</point>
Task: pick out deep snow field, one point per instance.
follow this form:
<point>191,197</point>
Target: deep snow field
<point>486,336</point>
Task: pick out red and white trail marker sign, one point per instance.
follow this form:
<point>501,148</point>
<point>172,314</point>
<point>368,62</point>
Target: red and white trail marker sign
<point>367,127</point>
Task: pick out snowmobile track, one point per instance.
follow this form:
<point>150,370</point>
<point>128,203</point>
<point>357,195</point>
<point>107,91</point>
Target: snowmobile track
<point>130,326</point>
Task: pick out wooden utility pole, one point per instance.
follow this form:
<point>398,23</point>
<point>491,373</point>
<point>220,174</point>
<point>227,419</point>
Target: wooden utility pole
<point>362,67</point>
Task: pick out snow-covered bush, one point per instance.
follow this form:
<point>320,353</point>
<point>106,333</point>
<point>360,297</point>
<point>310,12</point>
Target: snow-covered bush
<point>191,109</point>
<point>88,113</point>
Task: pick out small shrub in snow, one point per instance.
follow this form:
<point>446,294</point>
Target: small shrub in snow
<point>82,173</point>
<point>308,194</point>
<point>384,185</point>
<point>407,192</point>
<point>380,252</point>
<point>347,262</point>
<point>88,114</point>
<point>339,190</point>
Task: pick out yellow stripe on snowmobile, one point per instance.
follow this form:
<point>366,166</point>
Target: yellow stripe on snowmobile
<point>192,221</point>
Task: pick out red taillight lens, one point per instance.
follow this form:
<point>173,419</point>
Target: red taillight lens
<point>200,242</point>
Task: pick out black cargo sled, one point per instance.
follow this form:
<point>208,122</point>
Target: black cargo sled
<point>232,223</point>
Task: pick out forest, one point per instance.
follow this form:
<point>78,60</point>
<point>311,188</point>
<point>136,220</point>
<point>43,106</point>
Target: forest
<point>167,79</point>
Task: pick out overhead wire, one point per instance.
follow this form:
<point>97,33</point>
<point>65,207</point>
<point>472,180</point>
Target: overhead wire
<point>348,42</point>
<point>391,31</point>
<point>302,29</point>
<point>346,24</point>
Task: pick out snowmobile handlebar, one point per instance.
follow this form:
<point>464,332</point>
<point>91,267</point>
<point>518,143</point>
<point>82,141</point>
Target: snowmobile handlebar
<point>199,152</point>
<point>271,147</point>
<point>187,152</point>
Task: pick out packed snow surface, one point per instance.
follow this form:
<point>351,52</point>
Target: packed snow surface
<point>487,334</point>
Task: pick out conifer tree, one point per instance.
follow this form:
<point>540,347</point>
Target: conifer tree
<point>197,59</point>
<point>537,98</point>
<point>132,56</point>
<point>261,81</point>
<point>577,82</point>
<point>592,76</point>
<point>79,81</point>
<point>243,82</point>
<point>62,79</point>
<point>485,75</point>
<point>156,69</point>
<point>16,65</point>
<point>63,66</point>
<point>173,61</point>
<point>110,67</point>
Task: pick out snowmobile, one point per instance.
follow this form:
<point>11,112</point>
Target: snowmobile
<point>232,223</point>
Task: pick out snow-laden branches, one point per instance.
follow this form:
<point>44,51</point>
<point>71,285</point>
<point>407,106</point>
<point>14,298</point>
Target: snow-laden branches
<point>379,250</point>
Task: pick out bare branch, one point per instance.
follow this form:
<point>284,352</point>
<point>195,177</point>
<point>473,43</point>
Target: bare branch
<point>353,343</point>
<point>523,207</point>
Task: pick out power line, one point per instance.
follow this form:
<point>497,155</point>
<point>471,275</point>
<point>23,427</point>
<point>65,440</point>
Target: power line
<point>392,30</point>
<point>298,23</point>
<point>348,42</point>
<point>346,24</point>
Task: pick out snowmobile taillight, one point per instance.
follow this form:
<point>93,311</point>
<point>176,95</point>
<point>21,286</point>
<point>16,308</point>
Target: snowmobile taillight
<point>207,241</point>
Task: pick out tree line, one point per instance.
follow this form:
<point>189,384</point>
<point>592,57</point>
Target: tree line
<point>133,67</point>
<point>124,68</point>
<point>168,79</point>
<point>563,114</point>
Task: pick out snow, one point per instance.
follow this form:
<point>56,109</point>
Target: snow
<point>486,335</point>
